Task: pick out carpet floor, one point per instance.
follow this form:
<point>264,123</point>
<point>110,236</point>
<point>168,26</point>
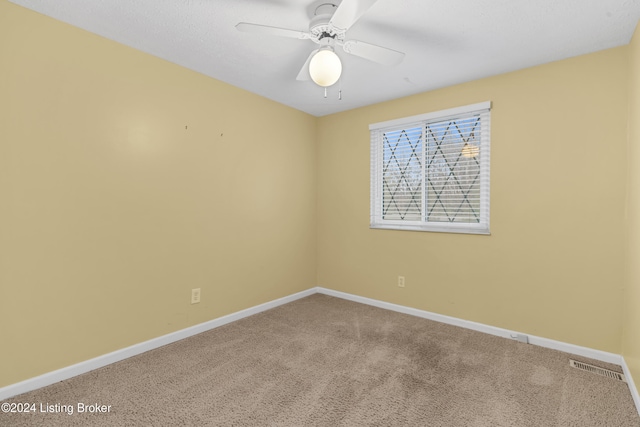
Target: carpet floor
<point>324,361</point>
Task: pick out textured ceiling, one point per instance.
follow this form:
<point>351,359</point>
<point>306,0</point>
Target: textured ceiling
<point>446,41</point>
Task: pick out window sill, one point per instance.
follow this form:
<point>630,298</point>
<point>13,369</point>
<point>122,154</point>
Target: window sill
<point>458,229</point>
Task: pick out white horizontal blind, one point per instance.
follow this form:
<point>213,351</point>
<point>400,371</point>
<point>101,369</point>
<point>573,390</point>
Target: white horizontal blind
<point>431,172</point>
<point>402,180</point>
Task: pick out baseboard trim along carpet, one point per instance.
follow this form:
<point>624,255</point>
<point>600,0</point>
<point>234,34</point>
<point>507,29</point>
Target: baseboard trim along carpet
<point>480,327</point>
<point>492,330</point>
<point>118,355</point>
<point>632,387</point>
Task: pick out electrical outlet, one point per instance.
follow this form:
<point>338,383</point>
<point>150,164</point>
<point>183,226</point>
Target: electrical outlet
<point>401,281</point>
<point>195,296</point>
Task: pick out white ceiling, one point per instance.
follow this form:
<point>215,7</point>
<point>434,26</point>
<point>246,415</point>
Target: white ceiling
<point>446,41</point>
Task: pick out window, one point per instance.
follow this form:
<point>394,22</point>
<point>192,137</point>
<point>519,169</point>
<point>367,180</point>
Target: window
<point>431,172</point>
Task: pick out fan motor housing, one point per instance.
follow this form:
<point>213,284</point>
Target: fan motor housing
<point>319,26</point>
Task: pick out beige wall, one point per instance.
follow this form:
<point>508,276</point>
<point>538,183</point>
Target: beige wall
<point>631,336</point>
<point>554,263</point>
<point>125,181</point>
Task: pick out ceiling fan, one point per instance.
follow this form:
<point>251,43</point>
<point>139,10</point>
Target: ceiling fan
<point>328,28</point>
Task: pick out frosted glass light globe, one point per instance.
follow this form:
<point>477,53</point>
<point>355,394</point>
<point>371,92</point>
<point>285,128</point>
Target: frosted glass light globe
<point>325,68</point>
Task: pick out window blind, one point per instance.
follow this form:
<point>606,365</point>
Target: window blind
<point>431,172</point>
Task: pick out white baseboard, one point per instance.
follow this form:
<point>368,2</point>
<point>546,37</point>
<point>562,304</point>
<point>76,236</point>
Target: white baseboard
<point>505,333</point>
<point>118,355</point>
<point>480,327</point>
<point>632,385</point>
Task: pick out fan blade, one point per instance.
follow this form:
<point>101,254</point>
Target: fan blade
<point>379,54</point>
<point>303,75</point>
<point>349,12</point>
<point>271,31</point>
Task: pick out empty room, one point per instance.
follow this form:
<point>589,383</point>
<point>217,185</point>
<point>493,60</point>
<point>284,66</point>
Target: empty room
<point>320,213</point>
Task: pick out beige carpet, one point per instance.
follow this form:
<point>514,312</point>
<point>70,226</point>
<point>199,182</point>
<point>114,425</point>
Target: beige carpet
<point>323,361</point>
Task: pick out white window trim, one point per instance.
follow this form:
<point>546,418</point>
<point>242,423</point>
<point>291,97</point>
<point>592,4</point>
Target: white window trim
<point>376,220</point>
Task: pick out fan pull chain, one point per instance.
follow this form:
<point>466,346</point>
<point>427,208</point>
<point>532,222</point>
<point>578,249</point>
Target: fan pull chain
<point>326,93</point>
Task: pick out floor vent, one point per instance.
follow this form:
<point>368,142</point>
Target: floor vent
<point>596,370</point>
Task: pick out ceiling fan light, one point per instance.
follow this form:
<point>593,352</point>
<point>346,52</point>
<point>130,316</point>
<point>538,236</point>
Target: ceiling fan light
<point>325,68</point>
<point>470,151</point>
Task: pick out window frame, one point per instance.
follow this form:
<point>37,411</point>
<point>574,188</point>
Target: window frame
<point>377,164</point>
